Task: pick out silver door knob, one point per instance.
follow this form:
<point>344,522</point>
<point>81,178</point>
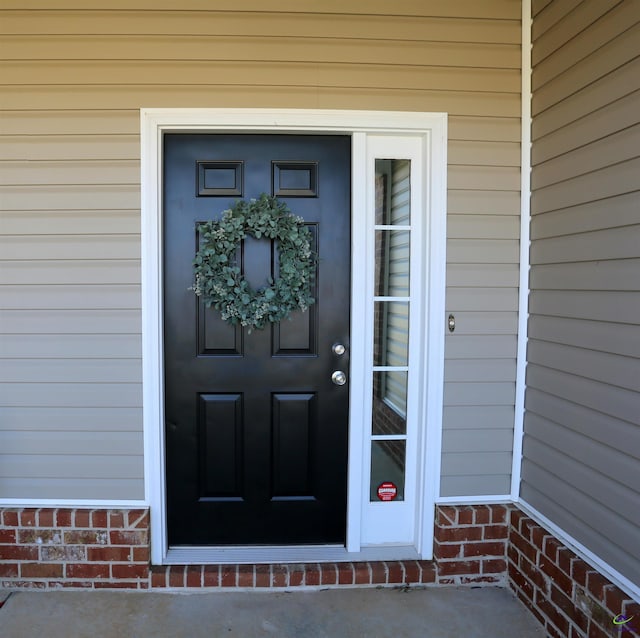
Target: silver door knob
<point>339,377</point>
<point>338,349</point>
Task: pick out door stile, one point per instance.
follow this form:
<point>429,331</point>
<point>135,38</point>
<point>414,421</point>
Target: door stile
<point>360,252</point>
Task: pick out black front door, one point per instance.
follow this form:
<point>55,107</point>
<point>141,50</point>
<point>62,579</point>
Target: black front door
<point>256,431</point>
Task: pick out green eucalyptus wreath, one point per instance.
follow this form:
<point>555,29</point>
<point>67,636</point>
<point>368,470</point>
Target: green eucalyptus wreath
<point>218,279</point>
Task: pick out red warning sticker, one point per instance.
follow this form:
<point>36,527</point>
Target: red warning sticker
<point>387,491</point>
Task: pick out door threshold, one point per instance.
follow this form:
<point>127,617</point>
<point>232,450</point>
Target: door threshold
<point>188,555</point>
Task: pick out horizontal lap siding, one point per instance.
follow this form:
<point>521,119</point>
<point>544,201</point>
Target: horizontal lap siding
<point>482,292</point>
<point>582,425</point>
<point>73,81</point>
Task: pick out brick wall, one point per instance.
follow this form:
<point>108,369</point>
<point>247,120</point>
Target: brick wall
<point>379,573</point>
<point>470,545</point>
<point>493,545</point>
<point>567,596</point>
<point>48,548</point>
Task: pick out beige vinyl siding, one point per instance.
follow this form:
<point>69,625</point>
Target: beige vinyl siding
<point>482,292</point>
<point>581,453</point>
<point>73,79</point>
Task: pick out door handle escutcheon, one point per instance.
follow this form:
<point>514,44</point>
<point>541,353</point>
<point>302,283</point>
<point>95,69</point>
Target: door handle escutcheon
<point>339,377</point>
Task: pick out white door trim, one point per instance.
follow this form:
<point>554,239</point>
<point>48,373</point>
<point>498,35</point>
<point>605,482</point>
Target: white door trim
<point>432,127</point>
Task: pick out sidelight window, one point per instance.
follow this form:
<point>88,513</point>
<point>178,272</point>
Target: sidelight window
<point>392,266</point>
<point>396,190</point>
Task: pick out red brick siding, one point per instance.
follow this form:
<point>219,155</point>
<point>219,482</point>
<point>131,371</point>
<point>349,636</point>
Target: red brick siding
<point>567,596</point>
<point>470,544</point>
<point>294,575</point>
<point>494,545</point>
<point>49,548</point>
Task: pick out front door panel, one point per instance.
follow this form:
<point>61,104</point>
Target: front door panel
<point>256,431</point>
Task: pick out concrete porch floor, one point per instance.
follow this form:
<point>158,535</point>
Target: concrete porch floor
<point>338,613</point>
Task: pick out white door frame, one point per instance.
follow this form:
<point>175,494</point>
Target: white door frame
<point>432,129</point>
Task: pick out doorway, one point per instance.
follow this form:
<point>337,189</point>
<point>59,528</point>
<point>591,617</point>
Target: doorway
<point>375,528</point>
<point>256,431</point>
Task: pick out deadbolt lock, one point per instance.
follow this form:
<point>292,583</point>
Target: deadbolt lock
<point>338,348</point>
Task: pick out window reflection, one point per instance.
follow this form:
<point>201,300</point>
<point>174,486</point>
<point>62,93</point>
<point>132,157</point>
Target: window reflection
<point>389,402</point>
<point>392,263</point>
<point>387,466</point>
<point>393,192</point>
<point>391,328</point>
<point>391,333</point>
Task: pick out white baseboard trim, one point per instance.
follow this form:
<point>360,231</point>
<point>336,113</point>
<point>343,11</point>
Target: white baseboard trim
<point>71,503</point>
<point>487,499</point>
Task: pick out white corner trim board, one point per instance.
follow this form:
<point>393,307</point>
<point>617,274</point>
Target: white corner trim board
<point>525,220</point>
<point>431,129</point>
